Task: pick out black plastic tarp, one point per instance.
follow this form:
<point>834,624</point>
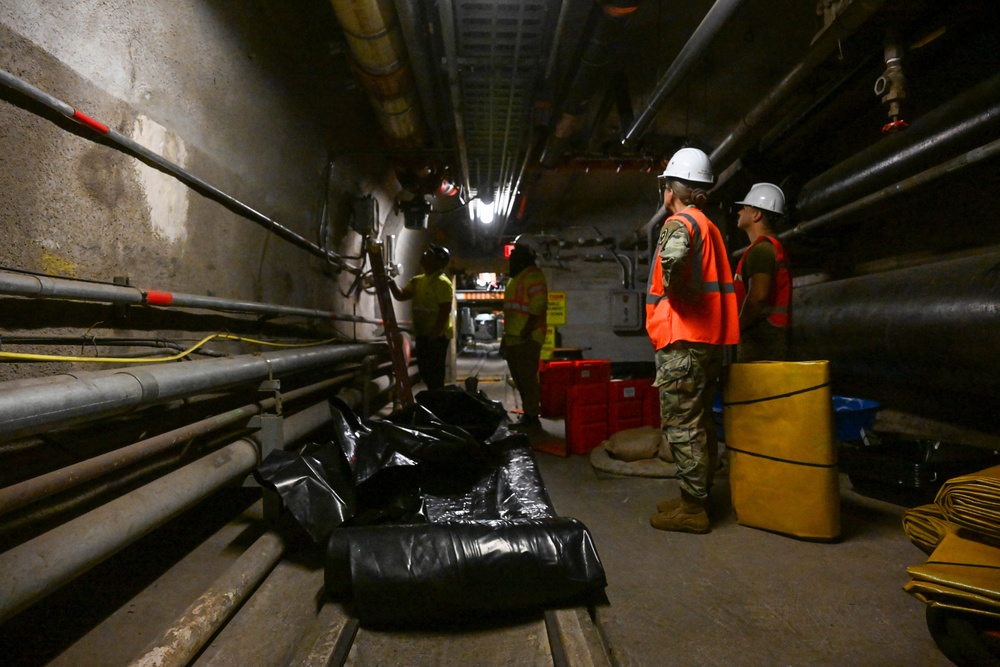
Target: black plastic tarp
<point>421,520</point>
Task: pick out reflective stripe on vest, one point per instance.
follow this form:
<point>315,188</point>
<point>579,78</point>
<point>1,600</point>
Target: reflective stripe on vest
<point>778,304</point>
<point>710,315</point>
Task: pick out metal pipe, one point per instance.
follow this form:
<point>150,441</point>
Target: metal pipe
<point>32,490</point>
<point>852,17</point>
<point>936,325</point>
<point>690,53</point>
<point>420,58</point>
<point>180,642</point>
<point>34,408</point>
<point>948,168</point>
<point>557,38</point>
<point>960,124</point>
<point>169,167</point>
<point>38,567</point>
<point>52,287</point>
<point>446,14</point>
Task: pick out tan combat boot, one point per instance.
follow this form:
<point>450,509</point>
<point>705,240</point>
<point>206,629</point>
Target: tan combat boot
<point>687,516</point>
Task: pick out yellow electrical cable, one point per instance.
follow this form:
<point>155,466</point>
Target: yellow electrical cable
<point>24,356</point>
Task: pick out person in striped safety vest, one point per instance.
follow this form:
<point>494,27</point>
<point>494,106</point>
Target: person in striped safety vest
<point>691,316</point>
<point>763,279</point>
<point>525,302</point>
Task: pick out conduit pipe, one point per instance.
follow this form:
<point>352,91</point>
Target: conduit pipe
<point>446,15</point>
<point>852,17</point>
<point>184,176</point>
<point>936,326</point>
<point>180,642</point>
<point>42,565</point>
<point>959,124</point>
<point>37,488</point>
<point>52,287</point>
<point>691,52</point>
<point>31,409</point>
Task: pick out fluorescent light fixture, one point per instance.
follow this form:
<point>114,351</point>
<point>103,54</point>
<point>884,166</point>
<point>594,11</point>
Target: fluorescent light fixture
<point>485,213</point>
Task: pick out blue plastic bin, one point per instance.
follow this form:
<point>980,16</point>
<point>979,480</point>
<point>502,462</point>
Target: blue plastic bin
<point>851,415</point>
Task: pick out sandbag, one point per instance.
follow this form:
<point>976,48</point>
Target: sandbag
<point>635,444</point>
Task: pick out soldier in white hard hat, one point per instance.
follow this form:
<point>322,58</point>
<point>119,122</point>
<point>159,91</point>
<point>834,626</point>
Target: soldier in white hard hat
<point>691,317</point>
<point>763,279</point>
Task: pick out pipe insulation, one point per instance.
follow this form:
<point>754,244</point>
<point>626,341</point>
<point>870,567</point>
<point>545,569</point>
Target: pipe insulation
<point>33,408</point>
<point>961,124</point>
<point>175,170</point>
<point>937,324</point>
<point>44,564</point>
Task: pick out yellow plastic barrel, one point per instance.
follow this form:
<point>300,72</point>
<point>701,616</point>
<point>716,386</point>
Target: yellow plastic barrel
<point>778,425</point>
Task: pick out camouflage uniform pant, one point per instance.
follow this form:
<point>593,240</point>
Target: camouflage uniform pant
<point>688,375</point>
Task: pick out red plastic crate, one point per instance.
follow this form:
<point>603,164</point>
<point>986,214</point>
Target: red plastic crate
<point>586,416</point>
<point>556,377</point>
<point>627,404</point>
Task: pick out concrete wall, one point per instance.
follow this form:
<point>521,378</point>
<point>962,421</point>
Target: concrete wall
<point>241,94</point>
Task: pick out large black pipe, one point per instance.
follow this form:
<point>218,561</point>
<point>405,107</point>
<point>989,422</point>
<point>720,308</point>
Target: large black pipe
<point>937,325</point>
<point>963,123</point>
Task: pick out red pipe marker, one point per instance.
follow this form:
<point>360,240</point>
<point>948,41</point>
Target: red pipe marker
<point>90,122</point>
<point>155,298</point>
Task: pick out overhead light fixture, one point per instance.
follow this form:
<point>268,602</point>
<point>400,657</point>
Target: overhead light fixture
<point>485,212</point>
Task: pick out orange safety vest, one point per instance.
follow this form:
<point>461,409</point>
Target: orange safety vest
<point>527,285</point>
<point>778,305</point>
<point>710,316</point>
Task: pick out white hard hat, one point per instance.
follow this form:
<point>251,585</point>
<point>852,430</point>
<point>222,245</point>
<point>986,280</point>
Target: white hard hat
<point>689,164</point>
<point>767,197</point>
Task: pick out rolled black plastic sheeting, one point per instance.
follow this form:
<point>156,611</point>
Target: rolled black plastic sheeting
<point>472,411</point>
<point>424,574</point>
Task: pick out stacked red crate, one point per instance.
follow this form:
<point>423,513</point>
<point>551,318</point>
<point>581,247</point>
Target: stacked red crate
<point>557,377</point>
<point>586,416</point>
<point>627,404</point>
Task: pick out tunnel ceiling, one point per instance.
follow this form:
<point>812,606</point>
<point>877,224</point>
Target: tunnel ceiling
<point>512,100</point>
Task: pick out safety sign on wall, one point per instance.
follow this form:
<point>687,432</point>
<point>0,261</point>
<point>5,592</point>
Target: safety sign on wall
<point>556,313</point>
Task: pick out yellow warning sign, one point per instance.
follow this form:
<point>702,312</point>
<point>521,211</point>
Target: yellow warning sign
<point>550,342</point>
<point>556,313</point>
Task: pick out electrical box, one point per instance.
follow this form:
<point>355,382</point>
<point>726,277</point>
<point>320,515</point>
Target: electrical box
<point>627,311</point>
<point>363,214</point>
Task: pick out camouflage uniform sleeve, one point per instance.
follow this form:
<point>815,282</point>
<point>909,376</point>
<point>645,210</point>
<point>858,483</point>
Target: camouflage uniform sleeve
<point>675,247</point>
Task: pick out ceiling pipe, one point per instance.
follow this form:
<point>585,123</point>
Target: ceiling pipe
<point>852,17</point>
<point>446,15</point>
<point>413,30</point>
<point>381,64</point>
<point>959,124</point>
<point>597,55</point>
<point>692,52</point>
<point>936,325</point>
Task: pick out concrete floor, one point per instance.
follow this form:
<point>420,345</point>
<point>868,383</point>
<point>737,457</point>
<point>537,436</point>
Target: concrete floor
<point>737,596</point>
